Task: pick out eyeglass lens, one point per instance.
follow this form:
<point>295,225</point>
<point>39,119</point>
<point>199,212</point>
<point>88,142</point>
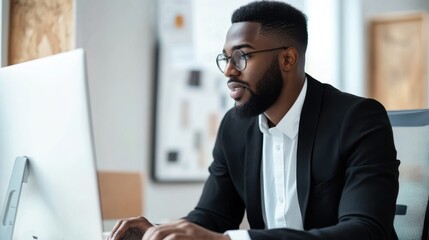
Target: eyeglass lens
<point>237,59</point>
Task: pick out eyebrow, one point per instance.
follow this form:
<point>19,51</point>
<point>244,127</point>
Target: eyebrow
<point>245,45</point>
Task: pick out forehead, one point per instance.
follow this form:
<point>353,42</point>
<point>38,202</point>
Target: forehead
<point>243,33</point>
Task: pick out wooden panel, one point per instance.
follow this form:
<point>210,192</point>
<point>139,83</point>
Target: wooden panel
<point>398,64</point>
<point>40,28</point>
<point>121,194</point>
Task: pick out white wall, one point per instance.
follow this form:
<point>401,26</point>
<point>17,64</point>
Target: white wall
<point>353,53</point>
<point>117,37</point>
<point>119,43</point>
<point>323,53</point>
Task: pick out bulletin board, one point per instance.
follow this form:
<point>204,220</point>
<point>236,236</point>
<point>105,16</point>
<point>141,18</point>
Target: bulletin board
<point>190,95</point>
<point>398,60</point>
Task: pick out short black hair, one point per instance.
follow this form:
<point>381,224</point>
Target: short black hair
<point>276,17</point>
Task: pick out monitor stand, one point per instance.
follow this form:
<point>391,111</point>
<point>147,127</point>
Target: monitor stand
<point>11,201</point>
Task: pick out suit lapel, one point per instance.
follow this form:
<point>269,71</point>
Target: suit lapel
<point>307,132</point>
<point>253,175</point>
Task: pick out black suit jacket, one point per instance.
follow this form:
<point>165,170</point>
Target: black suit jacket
<point>347,172</point>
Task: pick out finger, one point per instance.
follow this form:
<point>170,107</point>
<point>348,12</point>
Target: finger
<point>193,231</point>
<point>120,230</point>
<point>178,236</point>
<point>160,232</point>
<point>138,224</point>
<point>114,229</point>
<point>188,227</point>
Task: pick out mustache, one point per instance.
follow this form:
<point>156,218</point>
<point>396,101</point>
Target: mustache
<point>243,83</point>
<point>231,80</point>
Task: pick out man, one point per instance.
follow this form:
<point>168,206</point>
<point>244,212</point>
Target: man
<point>304,160</point>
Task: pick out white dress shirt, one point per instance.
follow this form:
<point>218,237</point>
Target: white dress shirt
<point>280,197</point>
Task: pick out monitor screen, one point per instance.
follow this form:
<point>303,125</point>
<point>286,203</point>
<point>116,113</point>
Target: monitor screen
<point>45,116</point>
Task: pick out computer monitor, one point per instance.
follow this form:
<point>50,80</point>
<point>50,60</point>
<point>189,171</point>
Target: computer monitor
<point>45,118</point>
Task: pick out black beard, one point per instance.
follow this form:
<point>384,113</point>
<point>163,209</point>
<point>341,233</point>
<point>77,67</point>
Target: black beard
<point>268,89</point>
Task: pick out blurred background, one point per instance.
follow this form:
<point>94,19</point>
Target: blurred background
<point>144,56</point>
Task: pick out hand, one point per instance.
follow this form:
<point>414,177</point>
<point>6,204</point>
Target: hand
<point>181,230</point>
<point>130,229</point>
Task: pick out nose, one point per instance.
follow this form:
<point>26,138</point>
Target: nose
<point>230,70</point>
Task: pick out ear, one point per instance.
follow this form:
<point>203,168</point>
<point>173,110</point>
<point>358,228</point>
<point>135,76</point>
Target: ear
<point>289,59</point>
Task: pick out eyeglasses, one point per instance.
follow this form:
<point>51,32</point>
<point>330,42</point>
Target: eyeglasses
<point>238,58</point>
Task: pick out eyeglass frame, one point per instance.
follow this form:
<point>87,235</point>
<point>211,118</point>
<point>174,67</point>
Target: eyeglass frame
<point>244,56</point>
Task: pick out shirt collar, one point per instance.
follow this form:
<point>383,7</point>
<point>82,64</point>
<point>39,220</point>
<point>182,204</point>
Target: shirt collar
<point>289,124</point>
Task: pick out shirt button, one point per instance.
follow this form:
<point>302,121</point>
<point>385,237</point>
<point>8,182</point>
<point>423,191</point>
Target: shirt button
<point>280,200</point>
<point>278,147</point>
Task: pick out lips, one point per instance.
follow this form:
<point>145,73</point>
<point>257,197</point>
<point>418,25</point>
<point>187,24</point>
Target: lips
<point>237,90</point>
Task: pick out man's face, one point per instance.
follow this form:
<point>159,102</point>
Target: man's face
<point>259,85</point>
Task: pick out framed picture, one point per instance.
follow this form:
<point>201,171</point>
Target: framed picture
<point>398,61</point>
